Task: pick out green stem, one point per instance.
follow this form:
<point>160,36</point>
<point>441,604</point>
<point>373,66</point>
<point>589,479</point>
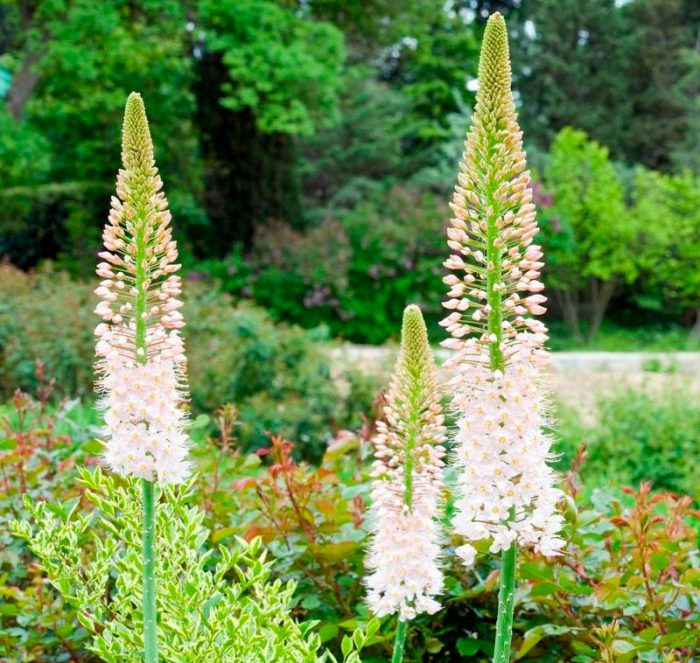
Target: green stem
<point>506,590</point>
<point>399,641</point>
<point>150,634</point>
<point>506,599</point>
<point>150,615</point>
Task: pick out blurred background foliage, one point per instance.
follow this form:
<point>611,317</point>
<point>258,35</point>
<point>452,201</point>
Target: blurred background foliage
<point>309,148</point>
<point>279,376</point>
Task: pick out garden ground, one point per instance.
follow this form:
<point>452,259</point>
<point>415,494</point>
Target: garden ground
<point>579,380</point>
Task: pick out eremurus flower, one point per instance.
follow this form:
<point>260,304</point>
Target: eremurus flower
<point>141,361</point>
<point>507,492</point>
<point>407,484</point>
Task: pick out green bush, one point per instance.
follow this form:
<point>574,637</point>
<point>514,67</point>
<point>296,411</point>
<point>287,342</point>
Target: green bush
<point>279,378</point>
<point>277,375</point>
<point>57,607</point>
<point>63,222</point>
<point>638,437</point>
<point>355,274</point>
<point>40,446</point>
<point>45,317</point>
<point>24,152</point>
<point>570,608</point>
<point>625,588</point>
<point>55,221</point>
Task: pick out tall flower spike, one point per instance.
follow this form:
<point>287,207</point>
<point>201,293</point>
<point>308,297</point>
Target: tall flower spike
<point>507,490</point>
<point>140,354</point>
<point>404,552</point>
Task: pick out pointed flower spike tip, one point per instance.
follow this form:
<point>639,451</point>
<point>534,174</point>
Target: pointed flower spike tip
<point>403,558</point>
<point>507,490</point>
<point>137,146</point>
<point>416,356</point>
<point>140,354</point>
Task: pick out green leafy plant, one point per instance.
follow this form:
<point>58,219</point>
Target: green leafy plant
<point>289,88</point>
<point>387,245</point>
<point>627,589</point>
<point>245,495</point>
<point>650,435</point>
<point>279,376</point>
<point>221,611</point>
<point>671,248</point>
<point>40,443</point>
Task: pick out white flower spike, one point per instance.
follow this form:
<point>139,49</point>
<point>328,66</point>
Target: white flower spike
<point>140,355</point>
<point>407,485</point>
<point>507,493</point>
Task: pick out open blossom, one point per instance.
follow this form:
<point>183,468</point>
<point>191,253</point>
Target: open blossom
<point>507,492</point>
<point>403,556</point>
<point>141,361</point>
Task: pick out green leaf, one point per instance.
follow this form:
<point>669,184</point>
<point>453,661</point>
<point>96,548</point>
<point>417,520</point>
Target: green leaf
<point>346,645</point>
<point>7,444</point>
<point>536,571</point>
<point>532,637</point>
<point>334,552</point>
<point>659,561</point>
<point>310,602</point>
<point>467,646</point>
<point>544,589</point>
<point>328,631</point>
<point>358,638</point>
<point>93,446</point>
<point>222,533</point>
<point>200,421</point>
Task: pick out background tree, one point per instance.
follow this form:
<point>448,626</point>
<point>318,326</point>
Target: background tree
<point>306,115</point>
<point>587,231</point>
<point>569,60</point>
<point>657,72</point>
<point>667,209</point>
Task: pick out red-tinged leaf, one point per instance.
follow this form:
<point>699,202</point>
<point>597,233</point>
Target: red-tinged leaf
<point>244,483</point>
<point>325,506</point>
<point>265,533</point>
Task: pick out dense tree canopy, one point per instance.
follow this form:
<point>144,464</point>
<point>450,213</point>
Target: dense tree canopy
<point>300,113</point>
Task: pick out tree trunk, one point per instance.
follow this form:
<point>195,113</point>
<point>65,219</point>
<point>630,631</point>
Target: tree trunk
<point>601,293</point>
<point>23,84</point>
<point>567,301</point>
<point>694,335</point>
<point>250,176</point>
<point>26,79</point>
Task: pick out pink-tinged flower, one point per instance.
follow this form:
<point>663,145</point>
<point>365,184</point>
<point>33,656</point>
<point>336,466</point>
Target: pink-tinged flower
<point>141,361</point>
<point>506,492</point>
<point>403,558</point>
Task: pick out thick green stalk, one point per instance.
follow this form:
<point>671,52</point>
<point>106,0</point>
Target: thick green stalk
<point>136,133</point>
<point>402,627</point>
<point>494,106</point>
<point>506,599</point>
<point>506,590</point>
<point>150,626</point>
<point>400,641</point>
